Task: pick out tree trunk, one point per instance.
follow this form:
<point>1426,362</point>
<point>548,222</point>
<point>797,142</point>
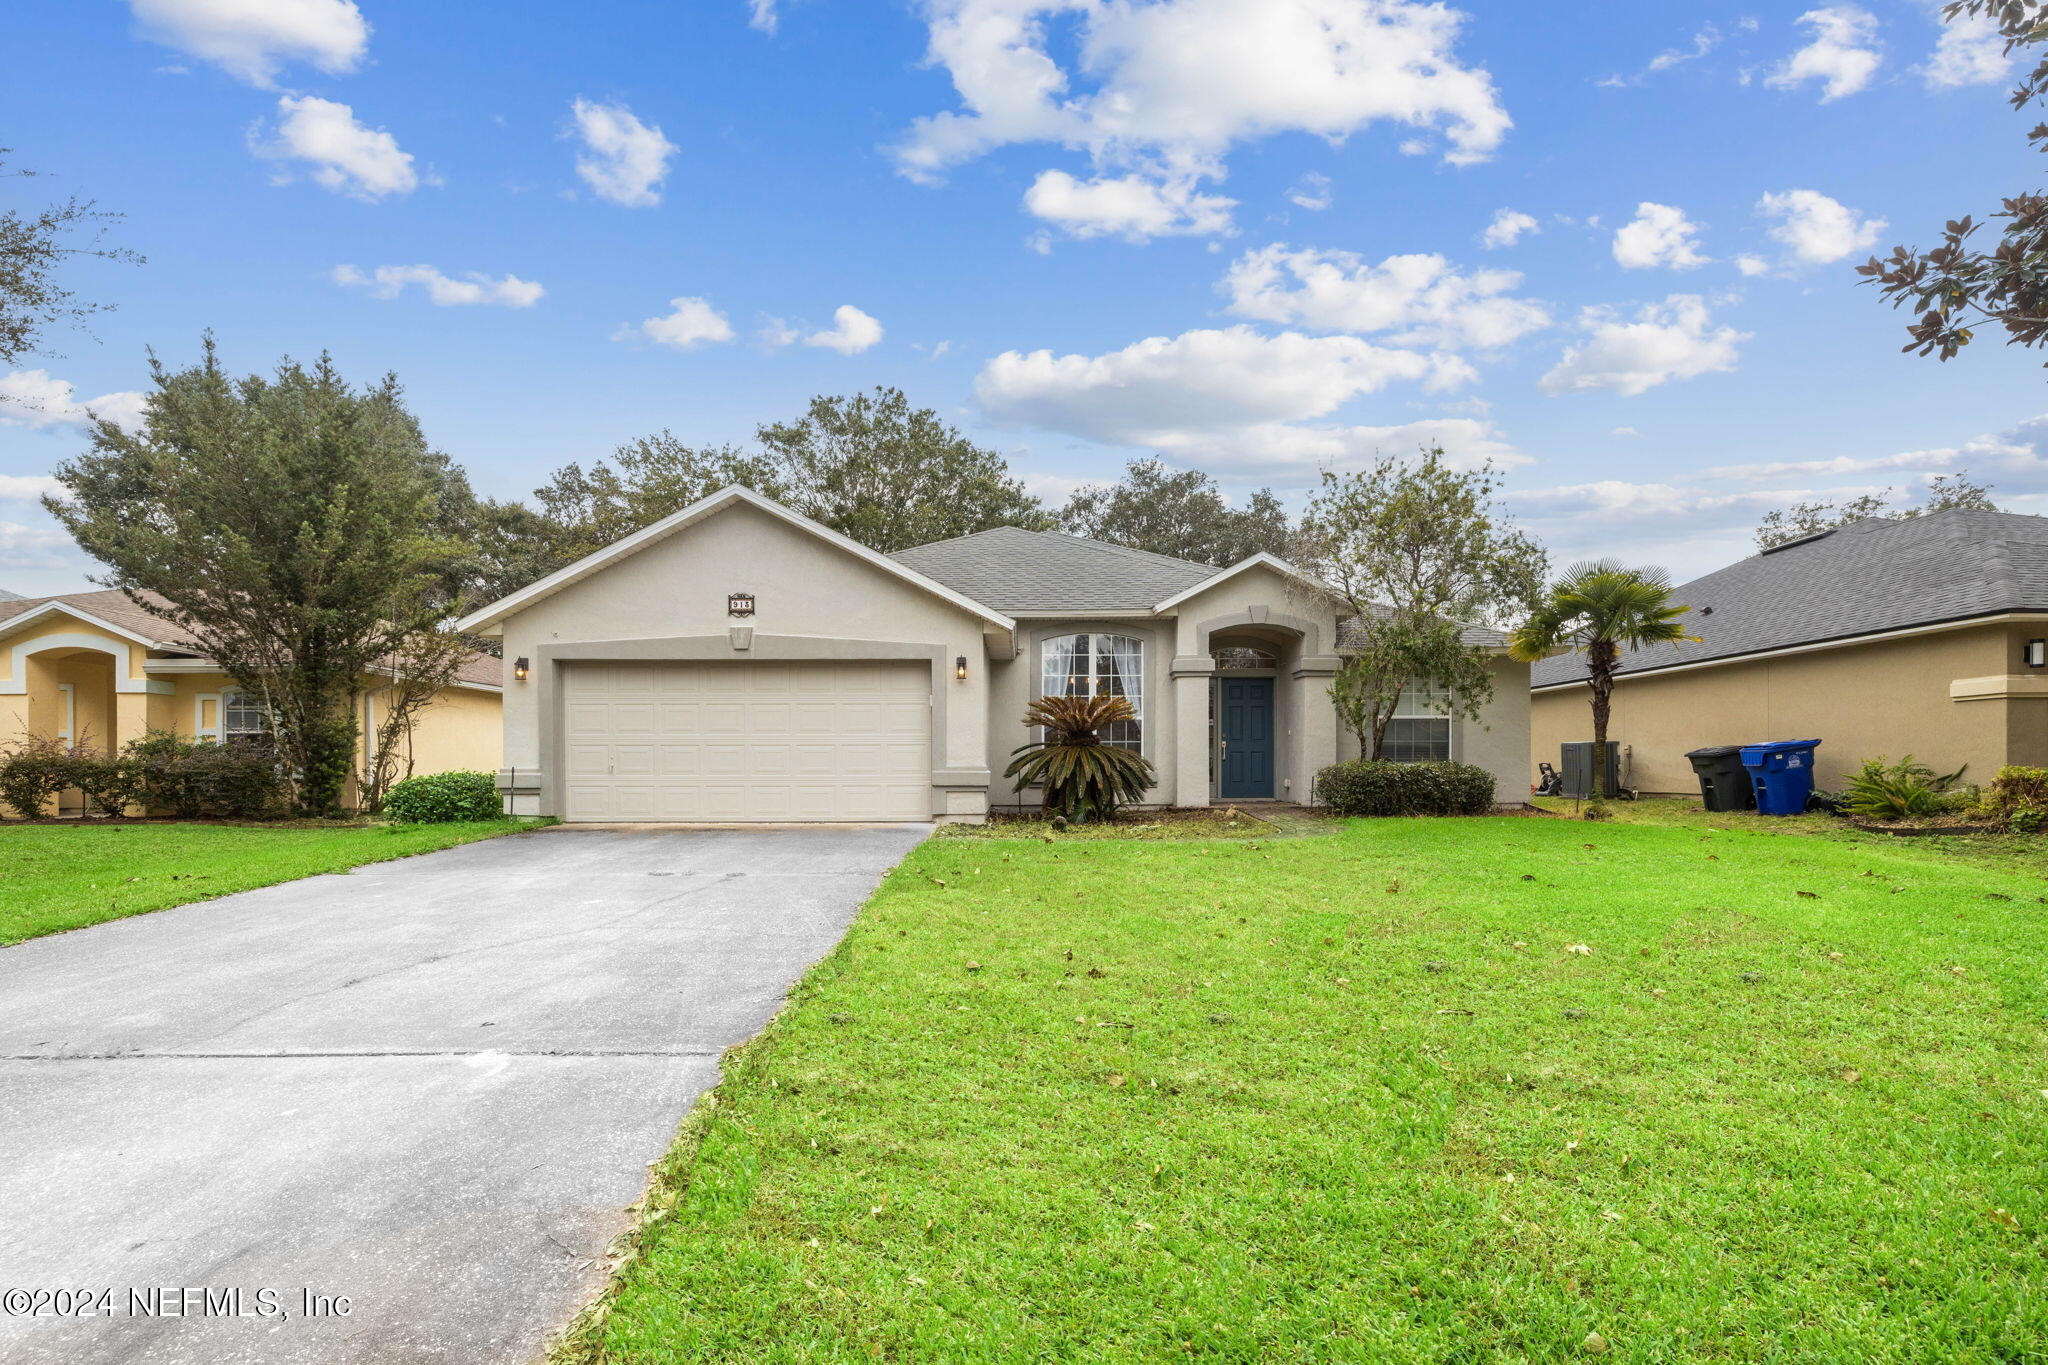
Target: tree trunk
<point>1601,658</point>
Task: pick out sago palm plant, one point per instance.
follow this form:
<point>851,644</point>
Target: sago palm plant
<point>1082,776</point>
<point>1600,609</point>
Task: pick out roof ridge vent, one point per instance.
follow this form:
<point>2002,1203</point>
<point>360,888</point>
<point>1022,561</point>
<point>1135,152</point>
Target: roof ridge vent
<point>1802,540</point>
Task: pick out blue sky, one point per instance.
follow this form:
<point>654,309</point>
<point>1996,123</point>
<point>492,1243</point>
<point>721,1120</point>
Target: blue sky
<point>1251,236</point>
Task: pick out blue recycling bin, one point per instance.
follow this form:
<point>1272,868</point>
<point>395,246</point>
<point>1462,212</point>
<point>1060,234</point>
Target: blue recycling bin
<point>1782,773</point>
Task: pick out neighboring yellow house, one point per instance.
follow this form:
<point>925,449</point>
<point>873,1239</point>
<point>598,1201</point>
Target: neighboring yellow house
<point>1927,636</point>
<point>94,667</point>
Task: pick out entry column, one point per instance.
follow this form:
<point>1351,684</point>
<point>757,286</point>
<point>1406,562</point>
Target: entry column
<point>1192,677</point>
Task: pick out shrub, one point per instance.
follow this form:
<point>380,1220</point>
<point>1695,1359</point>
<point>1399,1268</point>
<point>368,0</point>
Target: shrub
<point>440,797</point>
<point>1377,786</point>
<point>111,784</point>
<point>2019,796</point>
<point>1905,790</point>
<point>237,779</point>
<point>1082,777</point>
<point>33,772</point>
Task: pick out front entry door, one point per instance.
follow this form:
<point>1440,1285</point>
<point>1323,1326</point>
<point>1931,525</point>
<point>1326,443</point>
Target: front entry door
<point>1247,769</point>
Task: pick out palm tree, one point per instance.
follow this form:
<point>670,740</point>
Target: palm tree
<point>1600,609</point>
<point>1083,777</point>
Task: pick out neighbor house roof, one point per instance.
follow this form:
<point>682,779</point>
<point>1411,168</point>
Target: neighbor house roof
<point>1014,570</point>
<point>1863,579</point>
<point>114,608</point>
<point>6,596</point>
<point>1349,632</point>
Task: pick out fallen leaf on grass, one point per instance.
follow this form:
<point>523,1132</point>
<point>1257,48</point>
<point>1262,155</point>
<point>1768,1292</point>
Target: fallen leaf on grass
<point>974,966</point>
<point>1528,876</point>
<point>1808,895</point>
<point>1596,1345</point>
<point>1097,972</point>
<point>1581,949</point>
<point>1116,1080</point>
<point>2004,1219</point>
<point>1851,1075</point>
<point>1469,1011</point>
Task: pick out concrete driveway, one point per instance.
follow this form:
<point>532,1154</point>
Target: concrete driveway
<point>429,1087</point>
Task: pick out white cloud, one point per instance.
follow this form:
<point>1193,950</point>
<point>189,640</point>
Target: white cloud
<point>1131,206</point>
<point>1815,229</point>
<point>475,287</point>
<point>1313,193</point>
<point>623,160</point>
<point>36,399</point>
<point>27,487</point>
<point>1233,400</point>
<point>775,333</point>
<point>1971,51</point>
<point>343,154</point>
<point>1670,340</point>
<point>1624,431</point>
<point>761,15</point>
<point>689,323</point>
<point>1418,299</point>
<point>1697,522</point>
<point>1165,89</point>
<point>1658,235</point>
<point>1507,228</point>
<point>1752,265</point>
<point>852,331</point>
<point>1843,54</point>
<point>35,547</point>
<point>1706,40</point>
<point>251,39</point>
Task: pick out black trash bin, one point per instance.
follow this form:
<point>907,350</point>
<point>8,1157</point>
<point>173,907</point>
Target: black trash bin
<point>1724,782</point>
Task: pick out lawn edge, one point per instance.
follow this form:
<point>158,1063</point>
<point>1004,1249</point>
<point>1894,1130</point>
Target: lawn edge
<point>527,825</point>
<point>581,1340</point>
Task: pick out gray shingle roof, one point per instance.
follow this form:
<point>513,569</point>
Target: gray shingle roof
<point>1014,570</point>
<point>1867,577</point>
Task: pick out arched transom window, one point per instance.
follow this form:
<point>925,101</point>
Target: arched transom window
<point>1100,666</point>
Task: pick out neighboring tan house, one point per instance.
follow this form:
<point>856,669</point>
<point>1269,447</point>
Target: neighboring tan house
<point>1926,636</point>
<point>737,662</point>
<point>94,667</point>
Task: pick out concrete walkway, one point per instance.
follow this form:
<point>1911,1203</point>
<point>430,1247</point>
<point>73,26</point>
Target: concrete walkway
<point>430,1087</point>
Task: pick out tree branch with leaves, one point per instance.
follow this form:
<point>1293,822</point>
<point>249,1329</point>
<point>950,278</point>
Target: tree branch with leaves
<point>1419,550</point>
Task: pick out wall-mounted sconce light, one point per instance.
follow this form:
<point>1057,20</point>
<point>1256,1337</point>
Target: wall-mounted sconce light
<point>519,669</point>
<point>960,668</point>
<point>2037,654</point>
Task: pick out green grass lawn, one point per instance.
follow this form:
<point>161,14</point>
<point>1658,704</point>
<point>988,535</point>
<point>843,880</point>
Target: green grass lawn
<point>1359,1098</point>
<point>65,876</point>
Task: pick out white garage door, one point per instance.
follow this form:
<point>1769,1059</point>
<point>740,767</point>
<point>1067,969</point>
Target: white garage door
<point>733,742</point>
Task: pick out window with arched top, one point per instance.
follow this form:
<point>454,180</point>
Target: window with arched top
<point>1099,665</point>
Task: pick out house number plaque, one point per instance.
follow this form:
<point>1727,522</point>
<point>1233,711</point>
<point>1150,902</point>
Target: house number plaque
<point>739,604</point>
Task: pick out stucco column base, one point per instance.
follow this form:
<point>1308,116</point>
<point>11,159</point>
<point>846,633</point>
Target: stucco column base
<point>1191,734</point>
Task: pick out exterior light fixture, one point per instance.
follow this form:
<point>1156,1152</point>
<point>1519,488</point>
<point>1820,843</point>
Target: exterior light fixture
<point>2037,654</point>
<point>960,668</point>
<point>519,669</point>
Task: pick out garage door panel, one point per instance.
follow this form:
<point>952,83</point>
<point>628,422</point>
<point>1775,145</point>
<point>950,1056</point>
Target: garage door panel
<point>700,742</point>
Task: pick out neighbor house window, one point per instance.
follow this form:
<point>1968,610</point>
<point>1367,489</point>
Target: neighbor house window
<point>1100,666</point>
<point>1420,731</point>
<point>242,716</point>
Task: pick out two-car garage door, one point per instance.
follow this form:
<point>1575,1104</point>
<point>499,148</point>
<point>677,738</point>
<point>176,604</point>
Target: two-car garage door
<point>746,742</point>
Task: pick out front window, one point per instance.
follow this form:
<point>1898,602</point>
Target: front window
<point>1420,731</point>
<point>1100,666</point>
<point>242,716</point>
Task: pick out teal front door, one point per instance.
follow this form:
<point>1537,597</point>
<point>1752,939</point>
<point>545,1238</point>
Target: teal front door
<point>1247,716</point>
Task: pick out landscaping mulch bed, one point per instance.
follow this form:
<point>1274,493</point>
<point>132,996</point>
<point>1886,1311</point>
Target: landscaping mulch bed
<point>1905,830</point>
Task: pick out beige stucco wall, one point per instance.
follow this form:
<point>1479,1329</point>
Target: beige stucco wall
<point>1886,698</point>
<point>808,593</point>
<point>461,730</point>
<point>1015,683</point>
<point>1496,740</point>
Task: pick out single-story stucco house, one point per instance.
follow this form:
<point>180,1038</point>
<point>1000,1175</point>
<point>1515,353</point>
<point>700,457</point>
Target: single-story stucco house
<point>737,662</point>
<point>1927,635</point>
<point>95,667</point>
